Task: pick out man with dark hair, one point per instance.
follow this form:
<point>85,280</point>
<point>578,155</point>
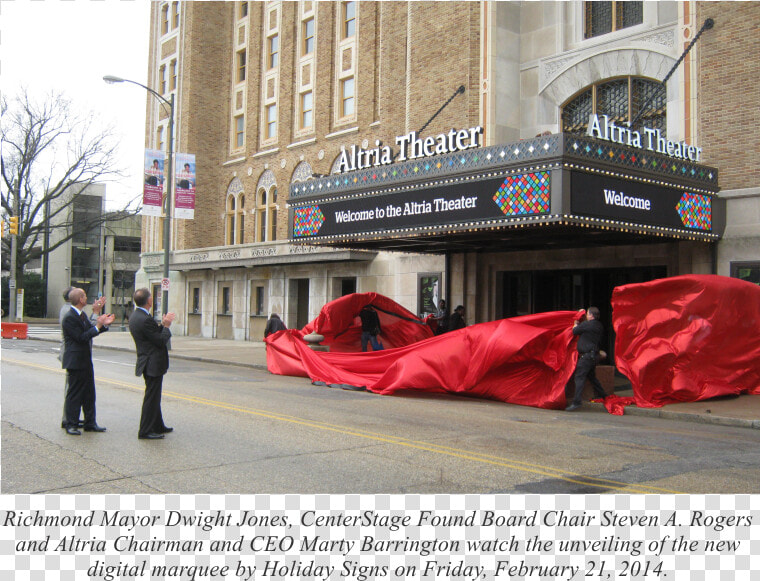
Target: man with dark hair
<point>442,317</point>
<point>78,333</point>
<point>370,328</point>
<point>457,319</point>
<point>151,340</point>
<point>589,334</point>
<point>274,324</point>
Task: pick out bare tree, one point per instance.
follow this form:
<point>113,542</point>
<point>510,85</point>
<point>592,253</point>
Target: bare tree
<point>50,154</point>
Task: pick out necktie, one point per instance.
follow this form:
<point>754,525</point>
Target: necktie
<point>83,316</point>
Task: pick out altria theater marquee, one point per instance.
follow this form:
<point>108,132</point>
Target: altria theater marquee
<point>446,193</point>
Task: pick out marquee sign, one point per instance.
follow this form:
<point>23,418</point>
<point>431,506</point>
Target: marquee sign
<point>504,197</point>
<point>410,147</point>
<point>603,196</point>
<point>652,139</point>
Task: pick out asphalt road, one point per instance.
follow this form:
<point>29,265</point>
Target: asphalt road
<point>245,431</point>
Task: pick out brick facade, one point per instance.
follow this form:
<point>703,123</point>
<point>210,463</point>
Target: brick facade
<point>729,69</point>
<point>519,62</point>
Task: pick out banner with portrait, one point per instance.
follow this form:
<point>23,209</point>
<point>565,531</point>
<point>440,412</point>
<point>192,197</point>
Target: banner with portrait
<point>184,197</point>
<point>153,183</point>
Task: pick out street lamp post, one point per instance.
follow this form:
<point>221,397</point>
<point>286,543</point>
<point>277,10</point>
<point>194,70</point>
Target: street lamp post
<point>170,177</point>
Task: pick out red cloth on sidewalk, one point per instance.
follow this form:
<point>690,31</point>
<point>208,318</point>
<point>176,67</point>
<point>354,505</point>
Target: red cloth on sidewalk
<point>524,360</point>
<point>688,338</point>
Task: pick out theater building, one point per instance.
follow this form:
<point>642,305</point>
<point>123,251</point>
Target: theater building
<point>479,152</point>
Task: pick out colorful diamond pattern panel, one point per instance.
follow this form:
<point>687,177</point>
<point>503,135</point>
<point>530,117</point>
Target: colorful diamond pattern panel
<point>307,221</point>
<point>695,211</point>
<point>524,194</point>
<point>640,158</point>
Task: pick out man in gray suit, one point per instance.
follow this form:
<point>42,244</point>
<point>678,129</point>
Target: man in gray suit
<point>151,340</point>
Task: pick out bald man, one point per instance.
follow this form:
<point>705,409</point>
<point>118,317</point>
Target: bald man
<point>78,333</point>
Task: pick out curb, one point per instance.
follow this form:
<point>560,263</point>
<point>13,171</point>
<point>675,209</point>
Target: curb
<point>258,366</point>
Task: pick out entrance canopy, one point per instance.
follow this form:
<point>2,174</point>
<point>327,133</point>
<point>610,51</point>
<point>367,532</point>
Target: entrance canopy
<point>556,190</point>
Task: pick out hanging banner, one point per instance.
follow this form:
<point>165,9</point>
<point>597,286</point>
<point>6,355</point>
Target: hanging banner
<point>184,197</point>
<point>153,184</point>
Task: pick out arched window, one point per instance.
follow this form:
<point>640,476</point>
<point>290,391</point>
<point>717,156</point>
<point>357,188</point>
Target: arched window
<point>230,219</point>
<point>234,214</point>
<point>261,216</point>
<point>241,219</point>
<point>273,214</point>
<point>621,100</point>
<point>266,208</point>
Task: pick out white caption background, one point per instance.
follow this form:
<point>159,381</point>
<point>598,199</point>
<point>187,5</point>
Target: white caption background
<point>362,537</point>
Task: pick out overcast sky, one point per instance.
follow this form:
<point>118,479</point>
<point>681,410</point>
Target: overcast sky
<point>69,45</point>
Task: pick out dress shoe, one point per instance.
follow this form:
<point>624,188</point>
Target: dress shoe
<point>73,432</point>
<point>165,430</point>
<point>572,407</point>
<point>95,428</point>
<point>79,425</point>
<point>151,436</point>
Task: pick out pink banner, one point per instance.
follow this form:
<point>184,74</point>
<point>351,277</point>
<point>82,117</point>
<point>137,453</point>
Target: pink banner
<point>184,197</point>
<point>153,183</point>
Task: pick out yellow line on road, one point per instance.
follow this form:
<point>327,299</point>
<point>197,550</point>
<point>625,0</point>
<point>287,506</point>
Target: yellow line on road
<point>396,440</point>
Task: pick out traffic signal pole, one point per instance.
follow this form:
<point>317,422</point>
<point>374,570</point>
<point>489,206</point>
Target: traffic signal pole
<point>12,290</point>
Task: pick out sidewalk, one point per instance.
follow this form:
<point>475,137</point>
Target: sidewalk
<point>739,411</point>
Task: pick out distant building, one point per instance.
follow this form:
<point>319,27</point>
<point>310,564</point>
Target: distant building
<point>102,260</point>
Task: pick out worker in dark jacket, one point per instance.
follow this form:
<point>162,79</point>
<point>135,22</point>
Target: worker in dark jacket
<point>274,324</point>
<point>457,319</point>
<point>589,334</point>
<point>370,328</point>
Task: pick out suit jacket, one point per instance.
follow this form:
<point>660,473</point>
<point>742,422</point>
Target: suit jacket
<point>77,339</point>
<point>151,341</point>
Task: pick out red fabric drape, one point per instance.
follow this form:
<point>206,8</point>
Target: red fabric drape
<point>524,360</point>
<point>688,338</point>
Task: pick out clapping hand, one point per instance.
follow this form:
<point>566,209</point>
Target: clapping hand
<point>105,320</point>
<point>98,305</point>
<point>168,319</point>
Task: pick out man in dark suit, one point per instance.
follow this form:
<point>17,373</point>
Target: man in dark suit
<point>151,341</point>
<point>78,333</point>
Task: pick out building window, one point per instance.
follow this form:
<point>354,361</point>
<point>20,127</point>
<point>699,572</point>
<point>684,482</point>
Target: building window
<point>258,307</point>
<point>165,19</point>
<point>160,138</point>
<point>261,217</point>
<point>271,121</point>
<point>173,77</point>
<point>230,219</point>
<point>162,79</point>
<point>241,59</point>
<point>349,19</point>
<point>308,36</point>
<point>273,215</point>
<point>621,100</point>
<point>347,97</point>
<point>243,9</point>
<point>273,48</point>
<point>196,300</point>
<point>241,219</point>
<point>226,306</point>
<point>307,109</point>
<point>604,17</point>
<point>175,15</point>
<point>239,131</point>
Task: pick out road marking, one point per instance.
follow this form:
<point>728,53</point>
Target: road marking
<point>571,477</point>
